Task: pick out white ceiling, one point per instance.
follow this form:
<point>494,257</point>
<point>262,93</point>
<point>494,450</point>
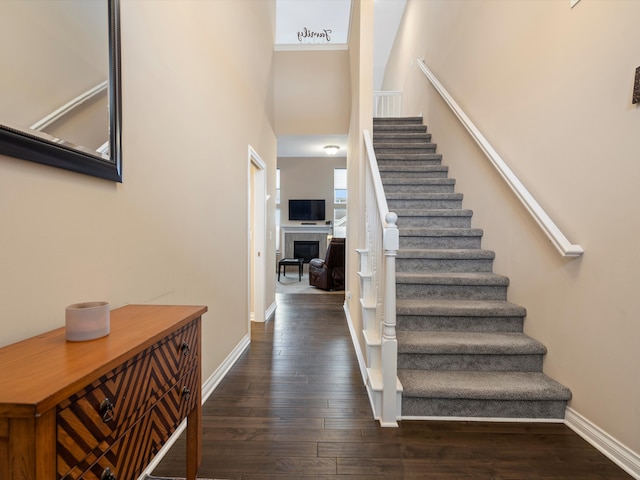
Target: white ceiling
<point>293,16</point>
<point>310,145</point>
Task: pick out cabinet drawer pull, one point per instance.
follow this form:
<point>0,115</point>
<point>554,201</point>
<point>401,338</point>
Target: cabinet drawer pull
<point>107,411</point>
<point>184,348</point>
<point>186,393</point>
<point>107,475</point>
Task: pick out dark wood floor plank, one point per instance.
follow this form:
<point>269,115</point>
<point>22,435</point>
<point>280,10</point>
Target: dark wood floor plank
<point>283,435</point>
<point>294,407</point>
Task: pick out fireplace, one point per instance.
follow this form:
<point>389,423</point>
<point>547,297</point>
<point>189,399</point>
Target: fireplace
<point>298,233</point>
<point>306,250</point>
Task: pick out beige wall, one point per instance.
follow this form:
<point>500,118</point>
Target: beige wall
<point>307,177</point>
<point>311,93</point>
<point>361,67</point>
<point>551,88</point>
<point>175,232</point>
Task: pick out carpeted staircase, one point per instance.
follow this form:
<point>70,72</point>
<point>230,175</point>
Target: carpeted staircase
<point>461,350</point>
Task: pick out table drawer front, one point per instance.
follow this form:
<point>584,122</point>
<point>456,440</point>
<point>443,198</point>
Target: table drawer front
<point>86,425</point>
<point>127,457</point>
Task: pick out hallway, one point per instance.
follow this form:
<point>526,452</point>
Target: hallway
<point>294,407</point>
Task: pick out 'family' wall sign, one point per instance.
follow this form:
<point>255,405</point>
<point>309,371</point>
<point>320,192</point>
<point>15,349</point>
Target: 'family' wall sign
<point>306,35</point>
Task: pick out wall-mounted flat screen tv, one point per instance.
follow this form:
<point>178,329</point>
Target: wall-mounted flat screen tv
<point>306,210</point>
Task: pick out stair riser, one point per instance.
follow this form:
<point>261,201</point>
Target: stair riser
<point>448,407</point>
<point>440,242</point>
<point>407,149</point>
<point>434,221</point>
<point>386,129</point>
<point>443,265</point>
<point>385,121</point>
<point>395,169</point>
<point>410,162</point>
<point>413,177</point>
<point>418,188</point>
<point>459,324</point>
<point>458,292</point>
<point>425,204</point>
<point>501,363</point>
<point>390,157</point>
<point>417,180</point>
<point>401,138</point>
<point>415,155</point>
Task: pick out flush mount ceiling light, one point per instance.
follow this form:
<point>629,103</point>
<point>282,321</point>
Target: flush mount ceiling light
<point>331,149</point>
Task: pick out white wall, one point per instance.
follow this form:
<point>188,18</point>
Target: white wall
<point>551,88</point>
<point>196,93</point>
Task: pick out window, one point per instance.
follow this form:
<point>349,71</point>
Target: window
<point>340,198</point>
<point>340,185</point>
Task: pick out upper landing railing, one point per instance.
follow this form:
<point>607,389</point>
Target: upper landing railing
<point>558,239</point>
<point>387,104</point>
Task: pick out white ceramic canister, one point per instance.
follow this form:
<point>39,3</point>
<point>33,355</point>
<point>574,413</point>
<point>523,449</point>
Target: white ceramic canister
<point>87,321</point>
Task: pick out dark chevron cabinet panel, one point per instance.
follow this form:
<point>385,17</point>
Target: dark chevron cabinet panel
<point>110,418</point>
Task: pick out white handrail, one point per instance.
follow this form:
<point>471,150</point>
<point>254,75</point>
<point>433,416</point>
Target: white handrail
<point>67,107</point>
<point>558,239</point>
<point>381,199</point>
<point>383,242</point>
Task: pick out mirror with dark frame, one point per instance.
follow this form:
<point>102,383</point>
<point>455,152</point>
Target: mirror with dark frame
<point>60,99</point>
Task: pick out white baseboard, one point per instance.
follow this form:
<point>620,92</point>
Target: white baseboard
<point>208,387</point>
<point>271,310</point>
<point>621,455</point>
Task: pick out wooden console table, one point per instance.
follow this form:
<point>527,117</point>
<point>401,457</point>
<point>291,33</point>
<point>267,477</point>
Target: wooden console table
<point>102,409</point>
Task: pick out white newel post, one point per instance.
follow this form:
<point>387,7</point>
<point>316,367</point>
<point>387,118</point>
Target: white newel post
<point>391,244</point>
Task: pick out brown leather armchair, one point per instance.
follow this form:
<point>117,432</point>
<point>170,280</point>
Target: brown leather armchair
<point>328,274</point>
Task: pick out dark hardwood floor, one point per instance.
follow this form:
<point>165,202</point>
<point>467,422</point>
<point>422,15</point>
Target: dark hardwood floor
<point>294,407</point>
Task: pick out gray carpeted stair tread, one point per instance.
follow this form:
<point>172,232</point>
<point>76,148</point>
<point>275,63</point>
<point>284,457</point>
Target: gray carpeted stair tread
<point>390,180</point>
<point>441,232</point>
<point>476,343</point>
<point>432,212</point>
<point>481,385</point>
<point>412,168</point>
<point>436,253</point>
<point>452,278</point>
<point>456,308</point>
<point>396,137</point>
<point>424,196</point>
<point>406,145</point>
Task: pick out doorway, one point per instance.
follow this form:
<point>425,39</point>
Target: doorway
<point>257,237</point>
